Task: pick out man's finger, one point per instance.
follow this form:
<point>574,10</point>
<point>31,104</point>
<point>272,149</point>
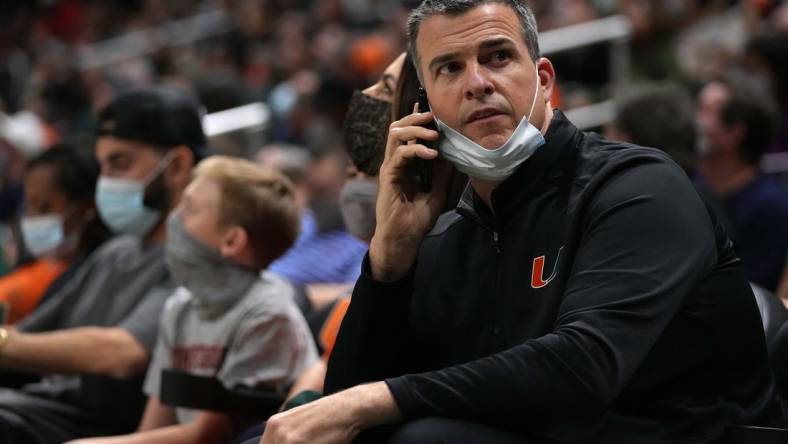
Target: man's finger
<point>404,135</point>
<point>404,153</point>
<point>418,119</point>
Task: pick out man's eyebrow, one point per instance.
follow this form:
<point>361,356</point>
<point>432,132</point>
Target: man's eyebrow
<point>502,41</point>
<point>116,156</point>
<point>386,78</point>
<point>487,44</point>
<point>441,59</point>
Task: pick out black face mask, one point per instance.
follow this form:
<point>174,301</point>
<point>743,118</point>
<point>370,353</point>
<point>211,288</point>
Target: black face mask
<point>365,130</point>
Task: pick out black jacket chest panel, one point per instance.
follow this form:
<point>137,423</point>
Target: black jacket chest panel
<point>491,282</point>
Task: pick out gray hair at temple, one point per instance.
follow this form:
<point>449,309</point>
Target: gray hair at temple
<point>430,8</point>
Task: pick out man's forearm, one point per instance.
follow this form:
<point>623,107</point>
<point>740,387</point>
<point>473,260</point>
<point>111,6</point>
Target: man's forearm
<point>374,337</point>
<point>93,350</point>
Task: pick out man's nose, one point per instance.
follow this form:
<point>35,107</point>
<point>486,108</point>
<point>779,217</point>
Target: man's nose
<point>477,82</point>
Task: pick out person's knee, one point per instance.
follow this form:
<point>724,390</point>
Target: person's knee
<point>450,431</point>
<point>421,431</point>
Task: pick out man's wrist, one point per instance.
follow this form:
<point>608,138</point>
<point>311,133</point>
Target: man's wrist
<point>387,265</point>
<point>372,405</point>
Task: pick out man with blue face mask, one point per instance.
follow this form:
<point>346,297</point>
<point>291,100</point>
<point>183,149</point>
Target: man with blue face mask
<point>580,292</point>
<point>91,340</point>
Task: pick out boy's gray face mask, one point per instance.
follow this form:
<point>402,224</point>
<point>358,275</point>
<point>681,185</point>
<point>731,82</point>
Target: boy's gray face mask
<point>214,281</point>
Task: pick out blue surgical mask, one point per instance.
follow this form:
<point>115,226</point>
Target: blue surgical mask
<point>120,203</point>
<point>42,234</point>
<point>495,164</point>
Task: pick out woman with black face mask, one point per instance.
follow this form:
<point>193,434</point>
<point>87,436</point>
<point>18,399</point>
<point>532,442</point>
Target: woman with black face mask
<point>365,130</point>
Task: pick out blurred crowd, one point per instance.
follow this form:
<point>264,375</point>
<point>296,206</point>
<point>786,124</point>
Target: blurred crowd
<point>59,65</point>
<point>707,81</point>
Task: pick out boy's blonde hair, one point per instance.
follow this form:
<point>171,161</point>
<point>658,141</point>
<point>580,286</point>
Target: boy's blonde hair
<point>257,198</point>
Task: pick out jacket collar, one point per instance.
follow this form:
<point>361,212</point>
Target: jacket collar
<point>560,140</point>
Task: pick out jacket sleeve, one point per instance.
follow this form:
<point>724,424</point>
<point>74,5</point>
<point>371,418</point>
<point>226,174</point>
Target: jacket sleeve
<point>374,333</point>
<point>645,244</point>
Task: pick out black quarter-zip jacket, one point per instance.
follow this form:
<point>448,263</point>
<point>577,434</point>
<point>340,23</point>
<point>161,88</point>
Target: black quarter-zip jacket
<point>599,301</point>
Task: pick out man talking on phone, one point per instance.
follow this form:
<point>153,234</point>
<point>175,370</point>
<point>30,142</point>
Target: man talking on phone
<point>580,292</point>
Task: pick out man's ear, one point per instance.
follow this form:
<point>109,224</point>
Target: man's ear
<point>234,242</point>
<point>546,73</point>
<point>180,168</point>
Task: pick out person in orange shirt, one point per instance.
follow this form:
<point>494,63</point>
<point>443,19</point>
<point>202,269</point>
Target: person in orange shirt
<point>59,226</point>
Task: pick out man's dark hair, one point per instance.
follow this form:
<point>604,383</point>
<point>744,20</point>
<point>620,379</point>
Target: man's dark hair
<point>758,115</point>
<point>751,106</point>
<point>771,49</point>
<point>659,115</point>
<point>430,8</point>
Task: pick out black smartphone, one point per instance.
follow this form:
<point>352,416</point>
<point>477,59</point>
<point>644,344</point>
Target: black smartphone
<point>421,169</point>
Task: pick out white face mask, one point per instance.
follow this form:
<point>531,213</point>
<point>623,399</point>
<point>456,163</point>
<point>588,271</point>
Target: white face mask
<point>42,234</point>
<point>496,164</point>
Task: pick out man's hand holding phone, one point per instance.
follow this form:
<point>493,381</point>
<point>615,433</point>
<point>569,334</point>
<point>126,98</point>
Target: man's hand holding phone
<point>405,212</point>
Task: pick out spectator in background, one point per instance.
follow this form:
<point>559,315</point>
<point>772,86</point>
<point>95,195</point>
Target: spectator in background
<point>60,227</point>
<point>364,130</point>
<point>321,254</point>
<point>658,115</point>
<point>736,121</point>
<point>11,196</point>
<point>768,53</point>
<point>226,320</point>
<point>92,340</point>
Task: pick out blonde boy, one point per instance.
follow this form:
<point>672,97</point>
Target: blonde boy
<point>227,319</point>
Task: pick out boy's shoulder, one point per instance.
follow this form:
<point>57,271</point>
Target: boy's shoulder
<point>269,294</point>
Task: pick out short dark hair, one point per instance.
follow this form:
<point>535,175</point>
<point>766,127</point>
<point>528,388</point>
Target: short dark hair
<point>759,120</point>
<point>771,49</point>
<point>659,115</point>
<point>430,8</point>
<point>751,105</point>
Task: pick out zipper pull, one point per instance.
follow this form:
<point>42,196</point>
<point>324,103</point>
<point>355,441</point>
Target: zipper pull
<point>495,240</point>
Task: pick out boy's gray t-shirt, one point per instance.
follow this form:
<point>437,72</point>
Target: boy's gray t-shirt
<point>262,340</point>
<point>122,284</point>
